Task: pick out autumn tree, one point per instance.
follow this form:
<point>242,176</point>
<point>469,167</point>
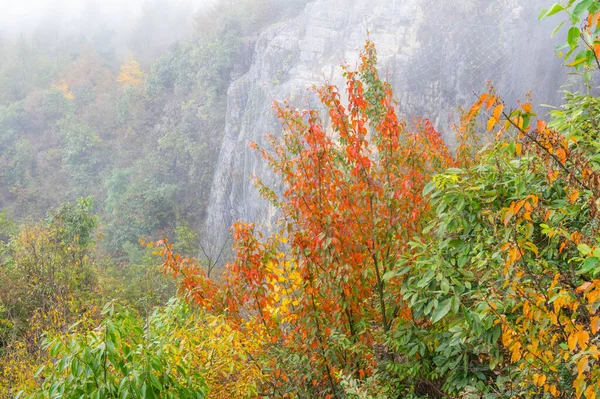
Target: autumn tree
<point>49,282</point>
<point>130,73</point>
<point>326,289</point>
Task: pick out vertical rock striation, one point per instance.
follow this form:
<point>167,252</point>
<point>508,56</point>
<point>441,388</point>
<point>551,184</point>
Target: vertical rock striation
<point>436,53</point>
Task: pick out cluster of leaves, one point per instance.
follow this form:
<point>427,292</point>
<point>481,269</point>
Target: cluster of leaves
<point>125,357</point>
<point>480,283</point>
<point>177,352</point>
<point>49,281</point>
<point>140,135</point>
<point>582,48</point>
<point>503,298</point>
<point>325,299</point>
<point>398,269</point>
<point>51,277</point>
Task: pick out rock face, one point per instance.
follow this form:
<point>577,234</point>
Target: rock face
<point>436,53</point>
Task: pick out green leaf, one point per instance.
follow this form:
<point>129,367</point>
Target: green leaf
<point>584,249</point>
<point>39,371</point>
<point>573,37</point>
<point>445,286</point>
<point>440,311</point>
<point>581,7</point>
<point>589,265</point>
<point>555,8</point>
<point>555,31</point>
<point>429,188</point>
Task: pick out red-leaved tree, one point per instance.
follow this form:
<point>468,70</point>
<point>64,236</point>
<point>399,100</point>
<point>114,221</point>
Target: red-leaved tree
<point>326,288</point>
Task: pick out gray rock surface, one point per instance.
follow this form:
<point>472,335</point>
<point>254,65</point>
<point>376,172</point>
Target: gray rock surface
<point>436,53</point>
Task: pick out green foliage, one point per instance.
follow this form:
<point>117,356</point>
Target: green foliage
<point>138,281</point>
<point>56,105</point>
<point>50,262</point>
<point>495,282</point>
<point>21,164</point>
<point>12,120</point>
<point>126,357</point>
<point>81,151</point>
<point>136,207</point>
<point>482,285</point>
<point>187,240</point>
<point>7,226</point>
<point>73,125</point>
<point>578,120</point>
<point>75,223</point>
<point>582,48</point>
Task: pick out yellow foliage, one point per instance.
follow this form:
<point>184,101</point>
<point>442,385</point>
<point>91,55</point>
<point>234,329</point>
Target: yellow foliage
<point>17,368</point>
<point>64,88</point>
<point>24,356</point>
<point>130,74</point>
<point>535,336</point>
<point>226,356</point>
<point>286,285</point>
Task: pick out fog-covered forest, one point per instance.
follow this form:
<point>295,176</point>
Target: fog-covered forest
<point>299,199</point>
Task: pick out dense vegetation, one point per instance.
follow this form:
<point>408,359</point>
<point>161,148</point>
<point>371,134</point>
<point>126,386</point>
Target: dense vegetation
<point>399,267</point>
<point>138,133</point>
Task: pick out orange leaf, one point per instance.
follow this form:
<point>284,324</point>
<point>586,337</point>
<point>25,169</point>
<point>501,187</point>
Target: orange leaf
<point>595,324</point>
<point>572,341</point>
<point>491,100</point>
<point>541,126</point>
<point>590,392</point>
<point>562,155</point>
<point>508,215</point>
<point>573,195</point>
<point>583,337</point>
<point>583,287</point>
<point>582,365</point>
<point>497,111</point>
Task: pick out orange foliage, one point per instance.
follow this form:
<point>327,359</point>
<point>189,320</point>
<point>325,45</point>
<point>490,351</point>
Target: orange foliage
<point>350,205</point>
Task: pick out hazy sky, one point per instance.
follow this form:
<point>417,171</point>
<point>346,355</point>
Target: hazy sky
<point>20,15</point>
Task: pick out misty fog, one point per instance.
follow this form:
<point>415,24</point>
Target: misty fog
<point>331,199</point>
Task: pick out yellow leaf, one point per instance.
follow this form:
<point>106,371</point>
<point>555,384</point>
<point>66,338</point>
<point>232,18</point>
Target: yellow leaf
<point>595,324</point>
<point>582,365</point>
<point>579,384</point>
<point>572,341</point>
<point>578,61</point>
<point>491,123</point>
<point>520,123</point>
<point>539,380</point>
<point>555,392</point>
<point>590,392</point>
<point>516,352</point>
<point>583,337</point>
<point>64,88</point>
<point>558,304</point>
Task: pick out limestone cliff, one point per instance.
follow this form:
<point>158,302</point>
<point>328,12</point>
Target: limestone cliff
<point>436,53</point>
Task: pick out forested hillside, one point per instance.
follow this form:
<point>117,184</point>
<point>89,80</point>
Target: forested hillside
<point>399,266</point>
<point>138,130</point>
